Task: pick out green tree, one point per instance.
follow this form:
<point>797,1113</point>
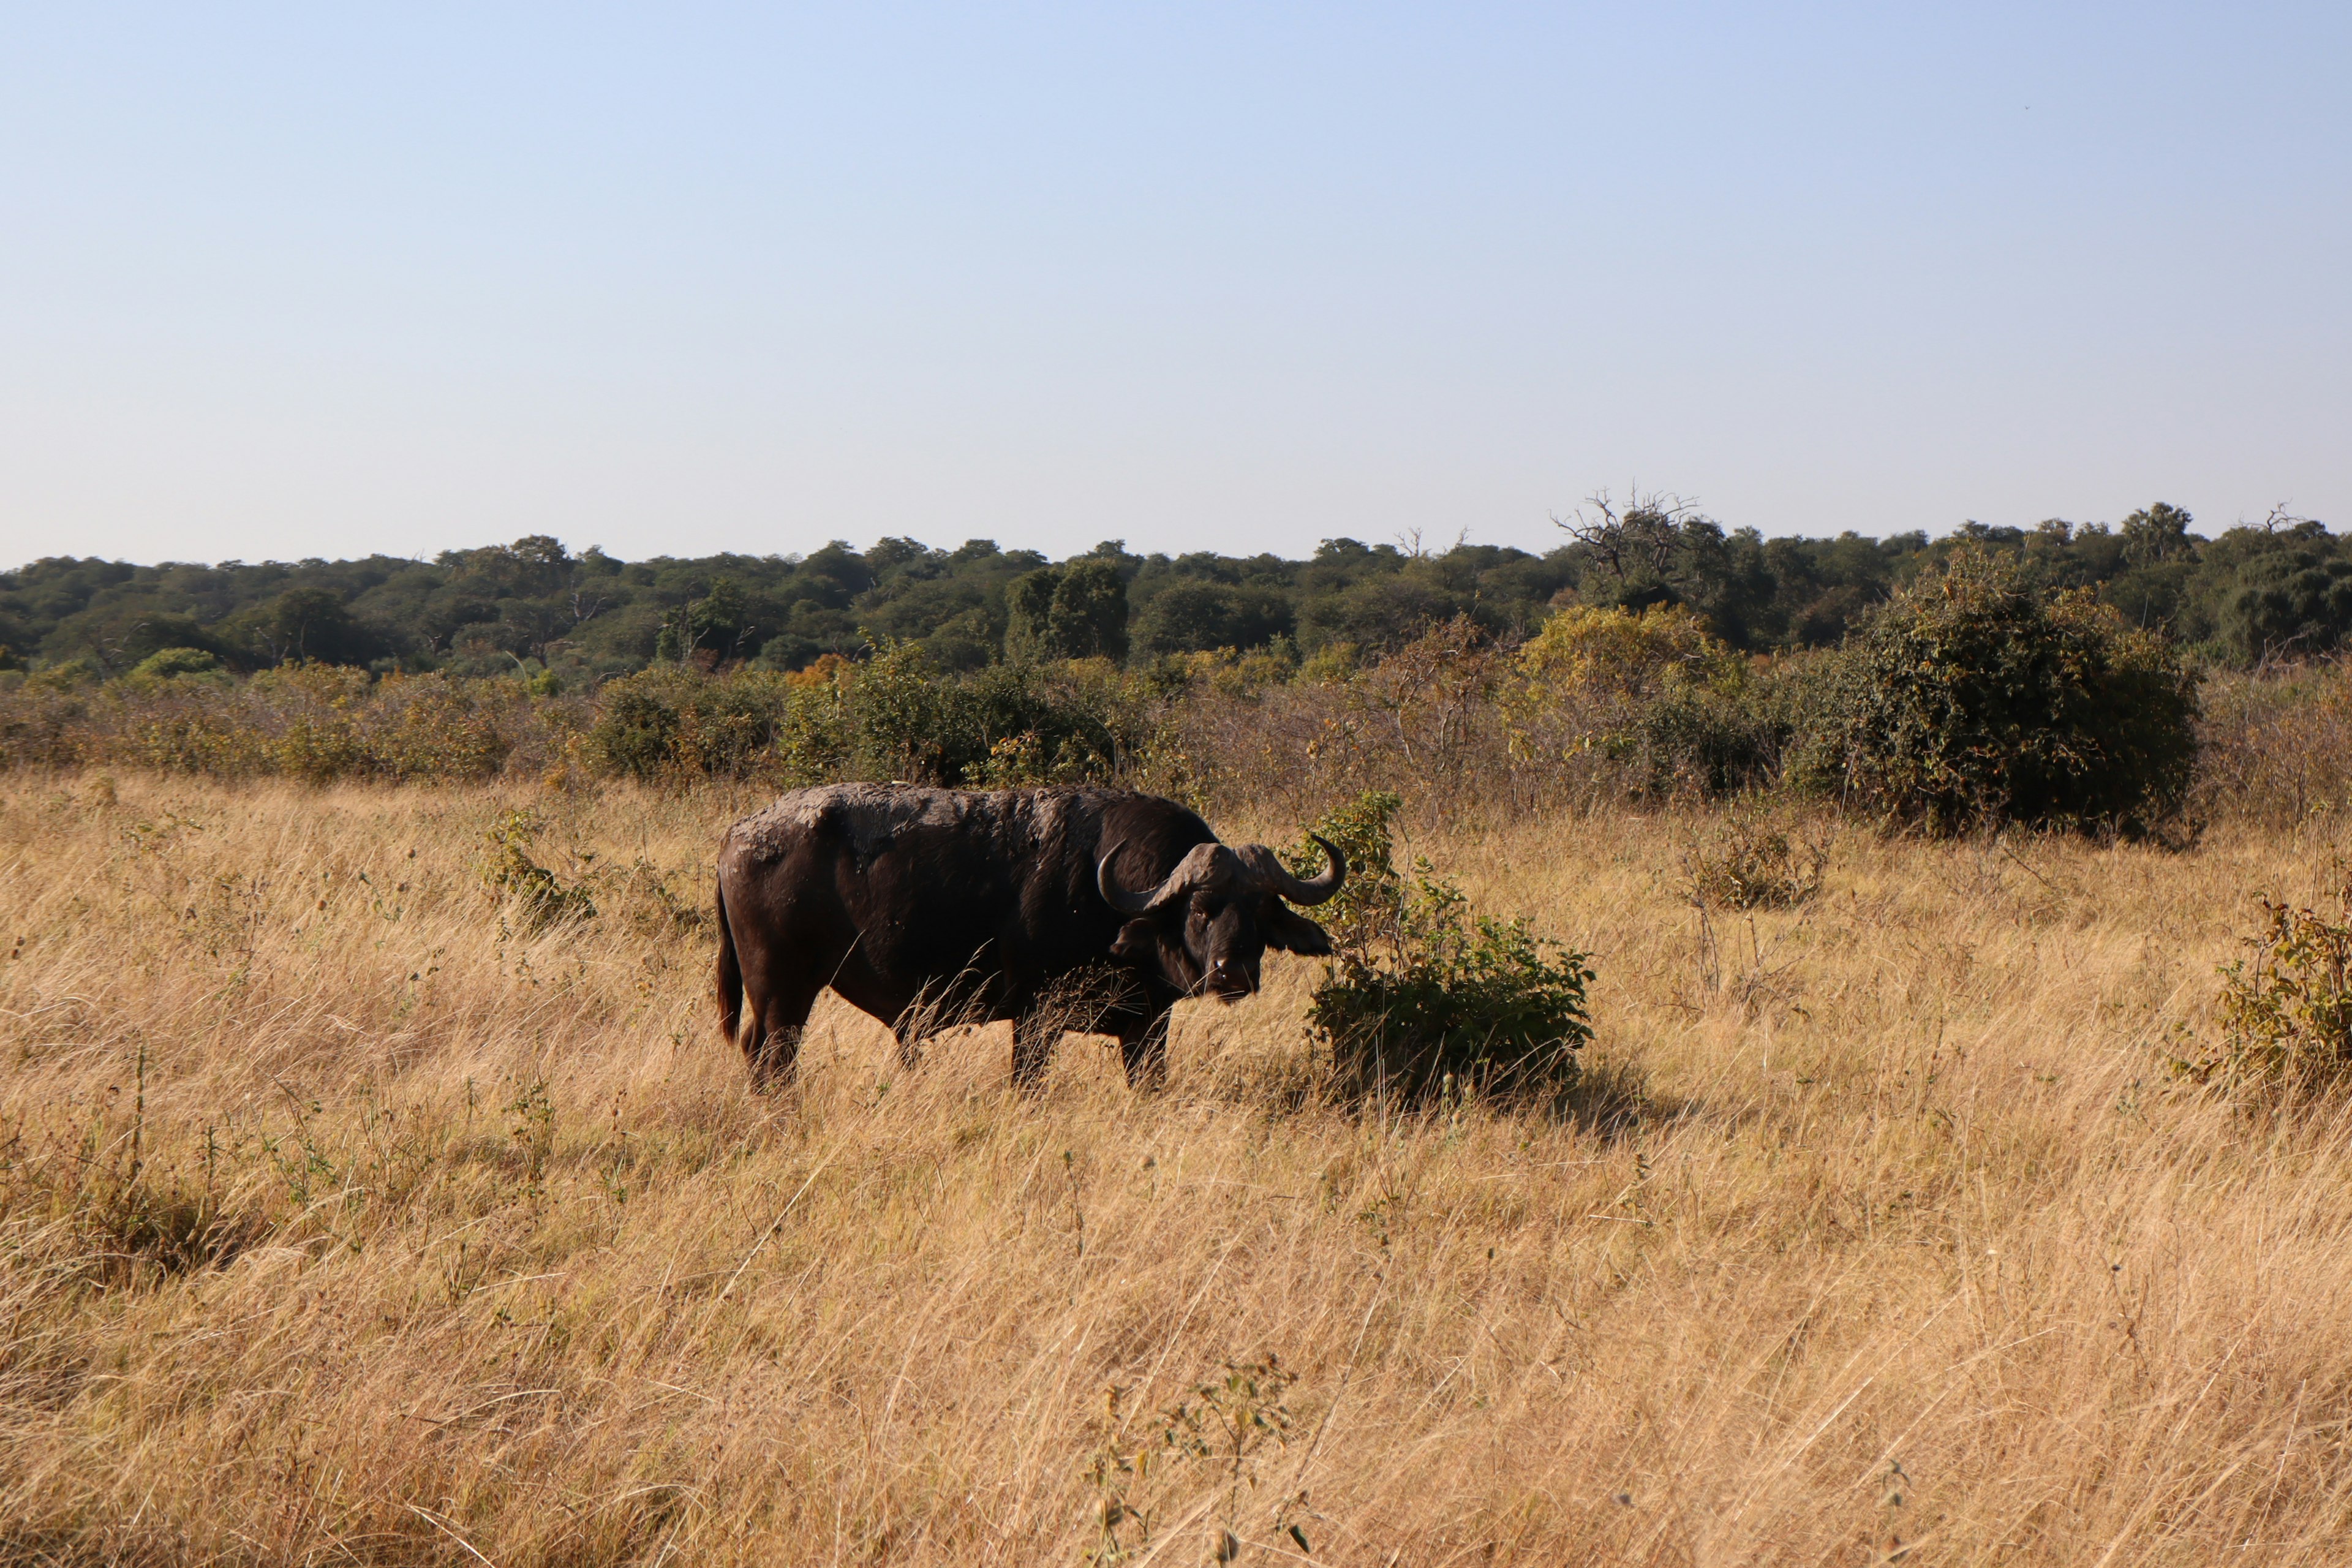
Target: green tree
<point>2290,602</point>
<point>1197,614</point>
<point>305,624</point>
<point>1074,611</point>
<point>2155,533</point>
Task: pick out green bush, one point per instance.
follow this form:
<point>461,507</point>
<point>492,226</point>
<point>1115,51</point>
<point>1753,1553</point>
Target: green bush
<point>164,663</point>
<point>1653,690</point>
<point>2288,604</point>
<point>2287,1009</point>
<point>895,716</point>
<point>907,721</point>
<point>1702,741</point>
<point>670,720</point>
<point>1366,907</point>
<point>1426,997</point>
<point>1976,697</point>
<point>539,895</point>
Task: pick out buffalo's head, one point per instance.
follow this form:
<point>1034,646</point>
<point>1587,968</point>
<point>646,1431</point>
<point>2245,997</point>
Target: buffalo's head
<point>1209,920</point>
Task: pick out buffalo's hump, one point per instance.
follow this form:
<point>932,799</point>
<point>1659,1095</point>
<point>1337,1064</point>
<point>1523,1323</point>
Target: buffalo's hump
<point>867,820</point>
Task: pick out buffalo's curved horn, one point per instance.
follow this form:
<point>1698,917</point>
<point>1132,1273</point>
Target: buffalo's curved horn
<point>1128,903</point>
<point>1309,890</point>
<point>1207,865</point>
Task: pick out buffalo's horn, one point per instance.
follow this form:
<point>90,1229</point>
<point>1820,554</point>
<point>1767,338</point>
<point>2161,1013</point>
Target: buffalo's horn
<point>1123,900</point>
<point>1204,865</point>
<point>1310,889</point>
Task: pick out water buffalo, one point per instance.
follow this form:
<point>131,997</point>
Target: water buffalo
<point>932,906</point>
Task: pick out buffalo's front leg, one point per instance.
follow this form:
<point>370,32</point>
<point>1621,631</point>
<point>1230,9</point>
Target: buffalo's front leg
<point>1143,1050</point>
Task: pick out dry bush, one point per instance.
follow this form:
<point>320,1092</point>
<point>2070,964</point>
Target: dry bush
<point>317,723</point>
<point>538,894</point>
<point>337,1223</point>
<point>1745,861</point>
<point>1610,709</point>
<point>2277,743</point>
<point>1603,710</point>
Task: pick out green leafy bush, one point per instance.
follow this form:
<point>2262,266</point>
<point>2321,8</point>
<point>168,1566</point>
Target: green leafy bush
<point>1426,996</point>
<point>1366,907</point>
<point>1702,740</point>
<point>1652,689</point>
<point>670,720</point>
<point>893,716</point>
<point>1076,610</point>
<point>541,897</point>
<point>1975,697</point>
<point>2286,1008</point>
<point>165,663</point>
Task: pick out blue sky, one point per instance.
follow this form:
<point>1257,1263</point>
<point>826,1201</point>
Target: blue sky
<point>283,281</point>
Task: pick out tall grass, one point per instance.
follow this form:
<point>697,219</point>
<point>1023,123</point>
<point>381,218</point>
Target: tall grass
<point>348,1211</point>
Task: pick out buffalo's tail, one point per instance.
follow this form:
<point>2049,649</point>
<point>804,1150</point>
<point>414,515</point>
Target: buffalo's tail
<point>730,976</point>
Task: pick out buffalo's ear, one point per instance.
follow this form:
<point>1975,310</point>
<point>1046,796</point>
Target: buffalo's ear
<point>1138,941</point>
<point>1144,944</point>
<point>1294,932</point>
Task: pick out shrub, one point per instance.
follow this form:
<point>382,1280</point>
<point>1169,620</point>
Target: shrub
<point>1077,610</point>
<point>895,716</point>
<point>322,738</point>
<point>2277,745</point>
<point>669,720</point>
<point>1367,905</point>
<point>1700,741</point>
<point>1975,697</point>
<point>431,728</point>
<point>1750,864</point>
<point>1584,653</point>
<point>1080,722</point>
<point>1652,689</point>
<point>1426,996</point>
<point>42,725</point>
<point>164,663</point>
<point>907,721</point>
<point>2288,603</point>
<point>541,896</point>
<point>2286,1008</point>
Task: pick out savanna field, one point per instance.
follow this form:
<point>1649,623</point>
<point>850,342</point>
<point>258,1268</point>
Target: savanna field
<point>1805,1027</point>
<point>349,1214</point>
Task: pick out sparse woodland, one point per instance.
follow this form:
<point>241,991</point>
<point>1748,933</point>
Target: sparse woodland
<point>1956,1170</point>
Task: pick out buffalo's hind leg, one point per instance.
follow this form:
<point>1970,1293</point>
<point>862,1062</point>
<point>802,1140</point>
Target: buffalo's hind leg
<point>772,1038</point>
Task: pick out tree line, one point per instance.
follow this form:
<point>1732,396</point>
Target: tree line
<point>2244,594</point>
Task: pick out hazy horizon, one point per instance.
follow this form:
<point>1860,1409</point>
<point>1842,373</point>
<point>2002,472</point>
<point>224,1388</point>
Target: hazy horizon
<point>286,284</point>
<point>575,548</point>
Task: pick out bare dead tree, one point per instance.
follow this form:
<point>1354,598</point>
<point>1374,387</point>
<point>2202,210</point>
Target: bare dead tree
<point>1649,535</point>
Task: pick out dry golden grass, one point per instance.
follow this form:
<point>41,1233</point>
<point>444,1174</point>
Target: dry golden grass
<point>1877,1234</point>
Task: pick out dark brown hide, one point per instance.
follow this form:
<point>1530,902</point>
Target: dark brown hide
<point>927,907</point>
